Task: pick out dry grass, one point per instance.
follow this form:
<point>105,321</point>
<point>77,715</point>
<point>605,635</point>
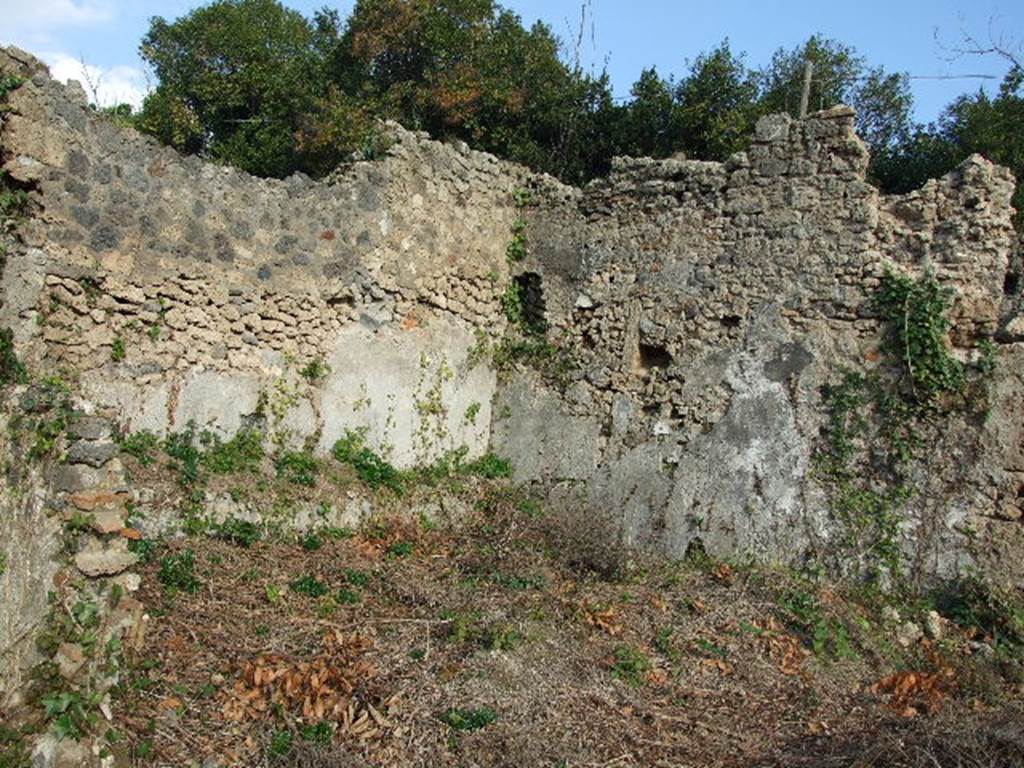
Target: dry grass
<point>692,665</point>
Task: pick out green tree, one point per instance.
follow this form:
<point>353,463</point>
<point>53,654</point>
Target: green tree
<point>236,78</point>
<point>837,68</point>
<point>648,125</point>
<point>840,76</point>
<point>925,153</point>
<point>718,105</point>
<point>884,104</point>
<point>993,127</point>
<point>469,69</point>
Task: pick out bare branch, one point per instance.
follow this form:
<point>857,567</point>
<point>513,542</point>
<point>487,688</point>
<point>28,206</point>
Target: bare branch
<point>998,44</point>
<point>91,83</point>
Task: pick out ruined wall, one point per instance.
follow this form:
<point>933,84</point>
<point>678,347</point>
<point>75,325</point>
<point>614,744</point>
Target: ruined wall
<point>705,306</point>
<point>709,304</point>
<point>177,290</point>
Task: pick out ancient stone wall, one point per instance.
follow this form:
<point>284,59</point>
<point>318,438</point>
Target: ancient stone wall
<point>708,305</point>
<point>178,290</point>
<point>704,307</point>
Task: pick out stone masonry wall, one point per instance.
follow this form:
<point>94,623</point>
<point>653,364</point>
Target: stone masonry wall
<point>705,307</point>
<point>177,290</point>
<point>709,304</point>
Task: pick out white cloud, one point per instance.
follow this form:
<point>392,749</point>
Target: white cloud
<point>27,15</point>
<point>106,87</point>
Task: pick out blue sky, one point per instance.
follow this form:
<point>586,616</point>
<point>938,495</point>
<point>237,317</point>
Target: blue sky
<point>623,36</point>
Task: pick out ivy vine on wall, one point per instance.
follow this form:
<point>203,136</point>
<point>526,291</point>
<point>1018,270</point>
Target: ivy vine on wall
<point>878,422</point>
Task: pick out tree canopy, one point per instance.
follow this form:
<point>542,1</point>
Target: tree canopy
<point>262,87</point>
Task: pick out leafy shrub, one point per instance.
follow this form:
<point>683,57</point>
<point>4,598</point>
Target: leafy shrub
<point>241,532</point>
<point>178,572</point>
<point>993,613</point>
<point>141,445</point>
<point>488,466</point>
<point>242,453</point>
<point>309,586</point>
<point>371,468</point>
<point>298,467</point>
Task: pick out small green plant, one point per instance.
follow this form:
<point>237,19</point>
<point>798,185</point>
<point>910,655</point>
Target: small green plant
<point>665,644</point>
<point>9,82</point>
<point>537,352</point>
<point>321,733</point>
<point>242,453</point>
<point>3,563</point>
<point>311,541</point>
<point>519,583</point>
<point>356,577</point>
<point>11,369</point>
<point>182,448</point>
<point>142,446</point>
<point>512,304</point>
<point>281,743</point>
<point>631,665</point>
<point>469,719</point>
<point>240,532</point>
<point>316,370</point>
<point>309,586</point>
<point>501,637</point>
<point>711,649</point>
<point>298,468</point>
<point>518,247</point>
<point>117,350</point>
<point>72,714</point>
<point>178,572</point>
<point>13,204</point>
<point>487,466</point>
<point>401,549</point>
<point>827,636</point>
<point>14,752</point>
<point>522,197</point>
<point>347,596</point>
<point>146,549</point>
<point>371,468</point>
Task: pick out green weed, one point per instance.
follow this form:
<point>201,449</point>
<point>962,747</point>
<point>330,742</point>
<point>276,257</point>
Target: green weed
<point>469,719</point>
<point>178,572</point>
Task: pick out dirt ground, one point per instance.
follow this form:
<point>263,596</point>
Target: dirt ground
<point>491,643</point>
